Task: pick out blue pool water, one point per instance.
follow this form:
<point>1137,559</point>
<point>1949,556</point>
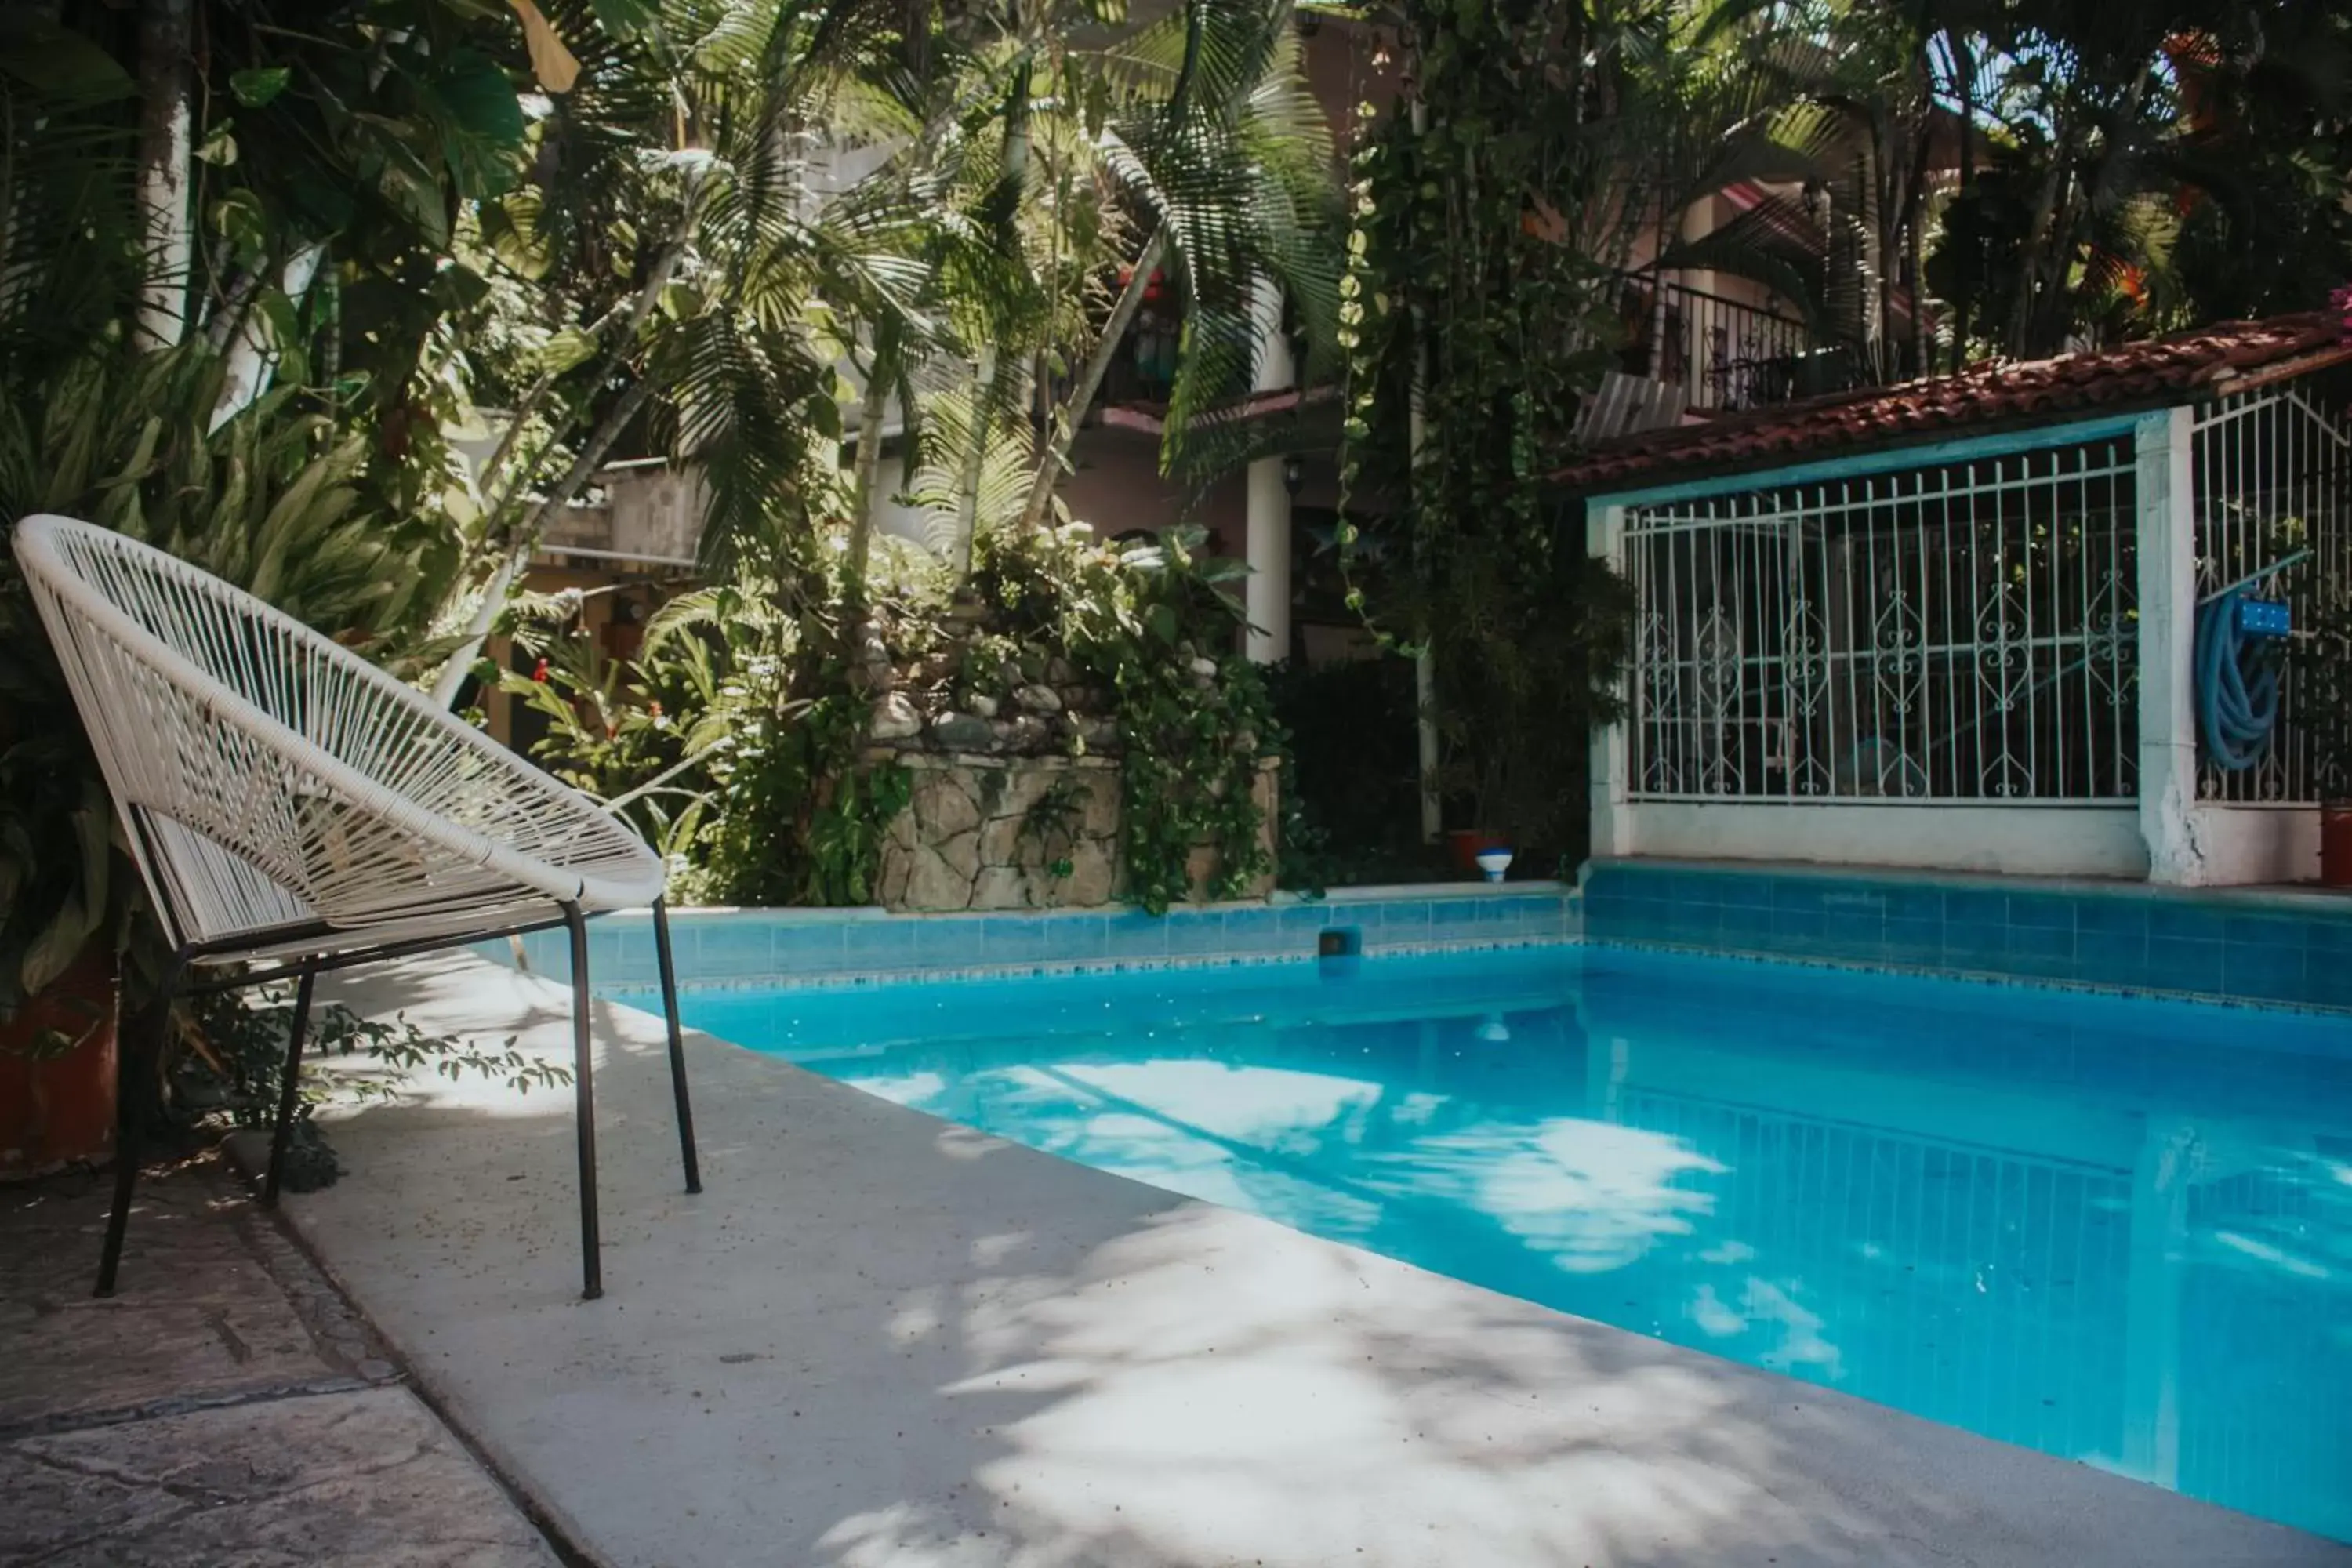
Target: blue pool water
<point>2116,1231</point>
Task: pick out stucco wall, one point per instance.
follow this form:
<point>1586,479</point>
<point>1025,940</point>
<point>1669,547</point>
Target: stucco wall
<point>1114,486</point>
<point>2243,846</point>
<point>2054,841</point>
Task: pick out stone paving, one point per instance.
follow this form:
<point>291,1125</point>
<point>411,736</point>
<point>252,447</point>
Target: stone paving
<point>227,1407</point>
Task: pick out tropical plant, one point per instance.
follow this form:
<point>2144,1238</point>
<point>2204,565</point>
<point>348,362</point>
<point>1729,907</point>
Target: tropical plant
<point>954,238</point>
<point>1828,117</point>
<point>761,797</point>
<point>268,501</point>
<point>272,499</point>
<point>150,300</point>
<point>2047,173</point>
<point>2147,167</point>
<point>230,1070</point>
<point>752,794</point>
<point>1076,161</point>
<point>683,279</point>
<point>633,731</point>
<point>1479,307</point>
<point>1155,625</point>
<point>241,357</point>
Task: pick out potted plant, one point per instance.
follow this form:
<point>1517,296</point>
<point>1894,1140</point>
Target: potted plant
<point>58,1071</point>
<point>123,438</point>
<point>1490,779</point>
<point>57,914</point>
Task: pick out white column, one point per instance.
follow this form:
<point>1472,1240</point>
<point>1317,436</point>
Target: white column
<point>1611,813</point>
<point>1266,594</point>
<point>1699,390</point>
<point>2166,483</point>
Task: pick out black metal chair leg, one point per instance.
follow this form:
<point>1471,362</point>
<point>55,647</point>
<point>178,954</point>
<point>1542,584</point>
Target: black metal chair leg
<point>134,1093</point>
<point>288,1092</point>
<point>676,1047</point>
<point>583,1089</point>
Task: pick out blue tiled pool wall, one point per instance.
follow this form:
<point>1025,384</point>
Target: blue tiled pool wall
<point>2246,946</point>
<point>807,946</point>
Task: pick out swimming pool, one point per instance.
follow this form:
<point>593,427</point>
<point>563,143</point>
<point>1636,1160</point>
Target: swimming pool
<point>2117,1230</point>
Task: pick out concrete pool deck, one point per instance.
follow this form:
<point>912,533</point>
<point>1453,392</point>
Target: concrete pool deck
<point>877,1339</point>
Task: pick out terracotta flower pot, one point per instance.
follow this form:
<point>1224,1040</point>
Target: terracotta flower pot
<point>2335,843</point>
<point>1463,845</point>
<point>58,1109</point>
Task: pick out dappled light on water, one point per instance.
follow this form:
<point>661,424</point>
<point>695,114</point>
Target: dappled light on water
<point>2114,1232</point>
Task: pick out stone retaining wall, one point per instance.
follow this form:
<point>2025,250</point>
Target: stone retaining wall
<point>1024,833</point>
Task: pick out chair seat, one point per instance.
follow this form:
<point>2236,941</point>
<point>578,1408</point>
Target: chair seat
<point>273,923</point>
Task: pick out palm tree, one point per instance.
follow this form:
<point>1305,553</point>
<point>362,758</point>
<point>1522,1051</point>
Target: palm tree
<point>2119,126</point>
<point>687,277</point>
<point>1836,120</point>
<point>1078,161</point>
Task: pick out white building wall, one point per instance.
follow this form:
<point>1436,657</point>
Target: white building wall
<point>2014,840</point>
<point>2254,845</point>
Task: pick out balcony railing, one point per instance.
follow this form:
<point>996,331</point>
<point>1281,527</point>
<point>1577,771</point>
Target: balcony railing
<point>1727,354</point>
<point>1717,355</point>
<point>1144,369</point>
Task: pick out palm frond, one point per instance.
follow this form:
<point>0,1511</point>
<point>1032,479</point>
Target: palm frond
<point>1007,459</point>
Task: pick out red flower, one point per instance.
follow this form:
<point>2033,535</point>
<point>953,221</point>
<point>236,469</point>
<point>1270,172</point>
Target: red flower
<point>2340,302</point>
<point>539,672</point>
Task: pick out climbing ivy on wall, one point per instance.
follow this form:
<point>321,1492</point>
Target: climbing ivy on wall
<point>1492,208</point>
<point>1155,626</point>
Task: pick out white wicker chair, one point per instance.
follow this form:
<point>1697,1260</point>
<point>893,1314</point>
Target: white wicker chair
<point>287,801</point>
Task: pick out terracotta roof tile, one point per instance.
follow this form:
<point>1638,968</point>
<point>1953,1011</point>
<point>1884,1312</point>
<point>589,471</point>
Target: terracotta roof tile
<point>2145,375</point>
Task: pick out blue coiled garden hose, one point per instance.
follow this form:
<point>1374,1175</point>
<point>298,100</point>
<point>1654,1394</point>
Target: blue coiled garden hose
<point>2237,685</point>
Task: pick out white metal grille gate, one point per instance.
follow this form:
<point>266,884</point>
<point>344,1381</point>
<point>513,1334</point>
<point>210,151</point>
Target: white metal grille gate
<point>2273,475</point>
<point>1960,632</point>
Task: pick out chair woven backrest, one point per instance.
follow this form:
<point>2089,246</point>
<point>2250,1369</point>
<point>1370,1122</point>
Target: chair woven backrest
<point>271,777</point>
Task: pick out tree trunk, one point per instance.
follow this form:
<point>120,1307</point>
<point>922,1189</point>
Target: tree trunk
<point>515,544</point>
<point>230,312</point>
<point>485,484</point>
<point>2038,240</point>
<point>1425,663</point>
<point>1064,430</point>
<point>975,460</point>
<point>1964,65</point>
<point>164,148</point>
<point>1922,349</point>
<point>1016,175</point>
<point>250,361</point>
<point>452,678</point>
<point>871,410</point>
<point>1908,222</point>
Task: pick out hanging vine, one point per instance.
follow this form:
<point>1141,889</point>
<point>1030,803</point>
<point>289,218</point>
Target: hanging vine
<point>1491,212</point>
<point>1153,626</point>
